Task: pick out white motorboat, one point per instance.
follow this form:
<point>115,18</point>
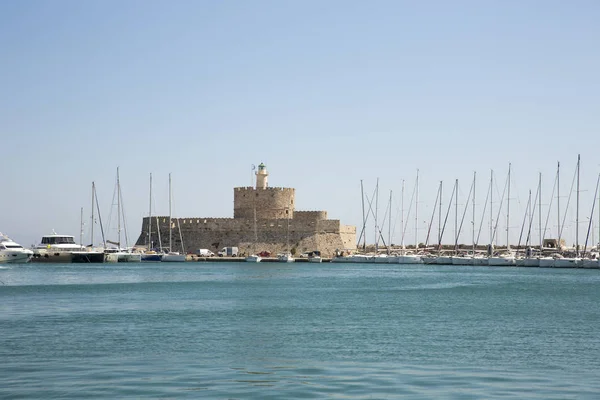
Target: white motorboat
<point>314,259</point>
<point>253,258</point>
<point>285,257</point>
<point>12,252</point>
<point>56,248</point>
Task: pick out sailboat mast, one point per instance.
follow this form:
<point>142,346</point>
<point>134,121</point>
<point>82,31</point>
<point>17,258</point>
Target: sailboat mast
<point>390,224</point>
<point>81,229</point>
<point>508,208</point>
<point>440,220</point>
<point>558,202</point>
<point>456,216</point>
<point>473,222</point>
<point>364,233</point>
<point>118,210</point>
<point>577,211</point>
<point>92,224</point>
<point>170,221</point>
<point>402,214</point>
<point>491,207</point>
<point>150,217</point>
<point>540,212</point>
<point>416,214</point>
<point>376,213</point>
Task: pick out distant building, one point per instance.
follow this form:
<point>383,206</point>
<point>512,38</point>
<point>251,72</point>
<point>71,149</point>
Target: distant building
<point>553,244</point>
<point>264,219</point>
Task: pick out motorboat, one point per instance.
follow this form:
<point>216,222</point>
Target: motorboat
<point>315,259</point>
<point>285,257</point>
<point>253,258</point>
<point>56,248</point>
<point>12,252</point>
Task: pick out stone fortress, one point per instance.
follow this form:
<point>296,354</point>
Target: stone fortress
<point>264,219</point>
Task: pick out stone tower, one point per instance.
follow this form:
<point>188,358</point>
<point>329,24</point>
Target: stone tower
<point>267,202</point>
<point>262,177</point>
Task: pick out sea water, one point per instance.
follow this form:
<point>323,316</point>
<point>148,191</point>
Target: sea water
<point>291,331</point>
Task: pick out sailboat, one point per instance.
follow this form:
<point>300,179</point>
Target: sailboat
<point>120,254</point>
<point>505,259</point>
<point>571,262</point>
<point>150,254</point>
<point>89,254</point>
<point>444,259</point>
<point>590,260</point>
<point>173,256</point>
<point>465,259</point>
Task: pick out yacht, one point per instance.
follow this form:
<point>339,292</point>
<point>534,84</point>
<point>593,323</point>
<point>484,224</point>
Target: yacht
<point>285,257</point>
<point>12,252</point>
<point>253,258</point>
<point>314,259</point>
<point>56,248</point>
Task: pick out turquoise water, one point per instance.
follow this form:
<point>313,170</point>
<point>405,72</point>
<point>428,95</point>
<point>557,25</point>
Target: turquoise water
<point>280,331</point>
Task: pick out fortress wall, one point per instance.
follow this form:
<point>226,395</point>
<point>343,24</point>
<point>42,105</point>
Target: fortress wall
<point>302,216</point>
<point>348,236</point>
<point>329,226</point>
<point>270,203</point>
<point>273,236</point>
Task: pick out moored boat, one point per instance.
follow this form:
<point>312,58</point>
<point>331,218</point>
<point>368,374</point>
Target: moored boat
<point>253,258</point>
<point>87,256</point>
<point>285,257</point>
<point>56,248</point>
<point>12,252</point>
<point>173,256</point>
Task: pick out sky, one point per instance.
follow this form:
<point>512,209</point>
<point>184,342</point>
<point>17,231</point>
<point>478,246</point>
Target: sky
<point>326,94</point>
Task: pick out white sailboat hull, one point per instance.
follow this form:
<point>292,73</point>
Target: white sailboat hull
<point>590,263</point>
<point>567,262</point>
<point>501,261</point>
<point>462,260</point>
<point>253,258</point>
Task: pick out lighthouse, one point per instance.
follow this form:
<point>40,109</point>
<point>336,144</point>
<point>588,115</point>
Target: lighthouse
<point>261,177</point>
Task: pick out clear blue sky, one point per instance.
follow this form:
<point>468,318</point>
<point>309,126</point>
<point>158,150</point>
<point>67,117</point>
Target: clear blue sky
<point>326,93</point>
